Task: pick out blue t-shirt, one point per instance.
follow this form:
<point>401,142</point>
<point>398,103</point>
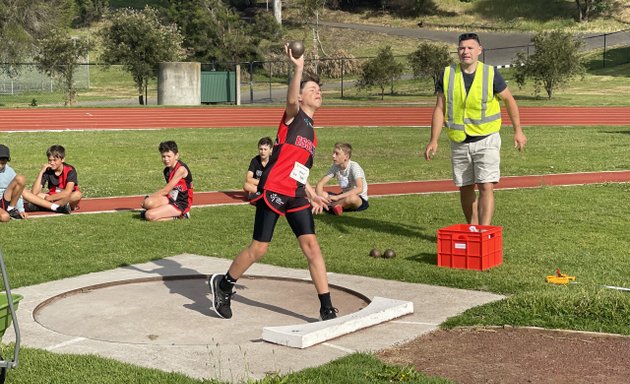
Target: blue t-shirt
<point>7,174</point>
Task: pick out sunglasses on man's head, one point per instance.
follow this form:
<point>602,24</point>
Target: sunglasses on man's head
<point>469,36</point>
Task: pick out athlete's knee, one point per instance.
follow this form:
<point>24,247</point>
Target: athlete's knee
<point>151,215</point>
<point>76,196</point>
<point>258,249</point>
<point>20,180</point>
<point>4,216</point>
<point>309,245</point>
<point>149,203</point>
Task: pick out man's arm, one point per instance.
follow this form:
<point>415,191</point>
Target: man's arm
<point>512,109</point>
<point>437,122</point>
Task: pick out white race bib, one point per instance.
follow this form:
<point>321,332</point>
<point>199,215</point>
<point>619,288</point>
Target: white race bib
<point>299,173</point>
<point>173,194</point>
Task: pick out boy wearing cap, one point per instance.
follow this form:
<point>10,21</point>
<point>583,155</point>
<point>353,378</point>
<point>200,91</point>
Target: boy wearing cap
<point>11,186</point>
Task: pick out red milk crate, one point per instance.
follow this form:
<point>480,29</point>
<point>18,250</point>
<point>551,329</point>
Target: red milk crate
<point>459,247</point>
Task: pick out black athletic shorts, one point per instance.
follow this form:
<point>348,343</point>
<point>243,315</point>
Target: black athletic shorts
<point>301,221</point>
<point>364,205</point>
<point>4,203</point>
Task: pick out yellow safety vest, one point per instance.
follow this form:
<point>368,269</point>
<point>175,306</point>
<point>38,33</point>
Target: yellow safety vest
<point>476,113</point>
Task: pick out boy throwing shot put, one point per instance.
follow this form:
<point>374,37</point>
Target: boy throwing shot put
<point>175,199</point>
<point>351,179</point>
<point>284,192</point>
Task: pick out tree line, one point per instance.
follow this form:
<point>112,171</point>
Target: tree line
<point>211,31</point>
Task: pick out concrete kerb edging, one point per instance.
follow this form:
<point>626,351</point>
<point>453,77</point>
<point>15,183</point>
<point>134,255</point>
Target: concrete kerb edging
<point>246,358</point>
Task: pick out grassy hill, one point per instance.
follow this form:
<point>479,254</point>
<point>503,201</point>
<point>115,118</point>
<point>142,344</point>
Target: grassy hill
<point>531,15</point>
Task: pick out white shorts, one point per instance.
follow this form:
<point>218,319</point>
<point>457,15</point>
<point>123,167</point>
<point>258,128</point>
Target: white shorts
<point>477,162</point>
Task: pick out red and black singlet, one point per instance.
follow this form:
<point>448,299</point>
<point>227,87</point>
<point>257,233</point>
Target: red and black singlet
<point>182,194</point>
<point>57,183</point>
<point>295,142</point>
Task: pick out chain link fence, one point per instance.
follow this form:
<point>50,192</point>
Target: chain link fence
<point>261,81</point>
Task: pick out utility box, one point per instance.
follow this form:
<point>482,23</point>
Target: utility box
<point>475,247</point>
<point>179,83</point>
<point>218,87</point>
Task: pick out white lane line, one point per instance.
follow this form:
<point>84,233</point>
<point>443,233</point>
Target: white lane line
<point>415,323</point>
<point>66,343</point>
<point>347,350</point>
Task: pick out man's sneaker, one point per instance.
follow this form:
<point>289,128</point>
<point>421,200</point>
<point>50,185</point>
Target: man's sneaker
<point>184,216</point>
<point>64,208</point>
<point>338,210</point>
<point>15,214</point>
<point>328,313</point>
<point>220,298</point>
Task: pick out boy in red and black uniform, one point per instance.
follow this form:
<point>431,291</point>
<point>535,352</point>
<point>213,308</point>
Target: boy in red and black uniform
<point>285,191</point>
<point>61,180</point>
<point>175,199</point>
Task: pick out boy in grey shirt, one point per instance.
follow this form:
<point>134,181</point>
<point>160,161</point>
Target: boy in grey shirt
<point>351,180</point>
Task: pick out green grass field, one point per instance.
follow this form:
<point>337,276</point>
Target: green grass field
<point>115,163</point>
<point>579,229</point>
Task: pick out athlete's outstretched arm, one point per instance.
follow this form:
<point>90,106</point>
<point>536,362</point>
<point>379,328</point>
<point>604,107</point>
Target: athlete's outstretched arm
<point>293,93</point>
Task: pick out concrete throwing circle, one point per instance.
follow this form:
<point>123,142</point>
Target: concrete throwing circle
<point>176,310</point>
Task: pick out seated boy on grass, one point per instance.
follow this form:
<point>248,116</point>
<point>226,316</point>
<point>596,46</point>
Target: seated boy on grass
<point>351,179</point>
<point>11,187</point>
<point>257,166</point>
<point>175,199</point>
<point>12,190</point>
<point>61,180</point>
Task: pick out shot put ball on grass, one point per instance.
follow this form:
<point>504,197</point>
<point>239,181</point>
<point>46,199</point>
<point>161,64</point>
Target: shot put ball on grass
<point>389,254</point>
<point>375,253</point>
<point>297,48</point>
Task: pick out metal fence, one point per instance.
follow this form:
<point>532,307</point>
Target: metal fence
<point>261,81</point>
<point>604,42</point>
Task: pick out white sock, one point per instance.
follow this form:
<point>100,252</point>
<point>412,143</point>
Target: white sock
<point>54,206</point>
<point>10,207</point>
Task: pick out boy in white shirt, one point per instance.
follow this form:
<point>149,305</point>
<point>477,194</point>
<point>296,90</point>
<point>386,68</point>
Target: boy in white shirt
<point>351,179</point>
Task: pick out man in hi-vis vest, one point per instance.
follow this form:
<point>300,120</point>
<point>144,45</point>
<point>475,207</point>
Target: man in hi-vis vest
<point>468,106</point>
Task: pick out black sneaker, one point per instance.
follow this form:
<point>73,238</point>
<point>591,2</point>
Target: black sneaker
<point>64,209</point>
<point>220,298</point>
<point>328,313</point>
<point>15,214</point>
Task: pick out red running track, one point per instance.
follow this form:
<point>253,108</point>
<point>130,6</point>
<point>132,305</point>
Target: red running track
<point>226,117</point>
<point>127,203</point>
<point>155,118</point>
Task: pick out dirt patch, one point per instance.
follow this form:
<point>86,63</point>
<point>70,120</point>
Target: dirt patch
<point>516,355</point>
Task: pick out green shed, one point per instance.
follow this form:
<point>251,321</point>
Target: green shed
<point>218,87</point>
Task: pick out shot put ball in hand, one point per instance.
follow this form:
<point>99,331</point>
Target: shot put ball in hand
<point>297,48</point>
